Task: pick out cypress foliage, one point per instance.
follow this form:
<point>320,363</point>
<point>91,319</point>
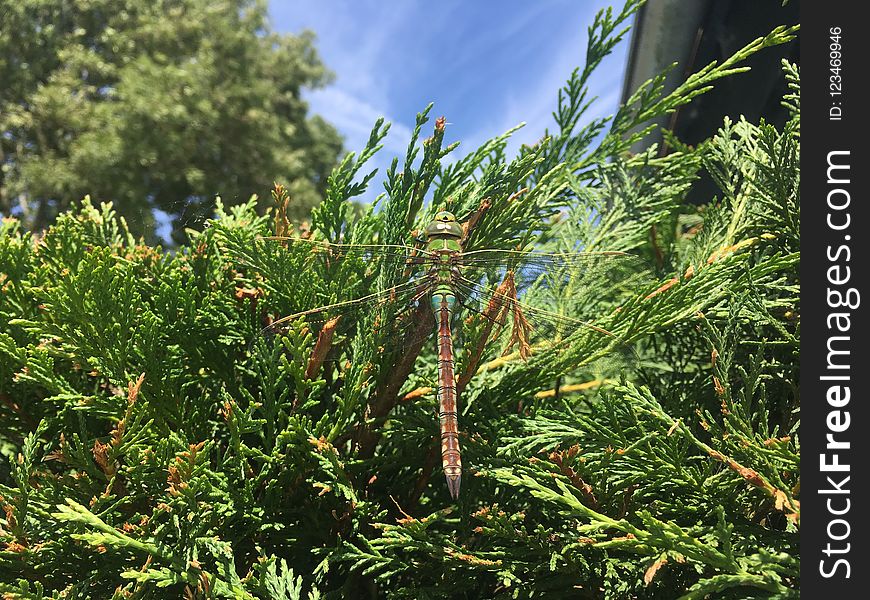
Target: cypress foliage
<point>157,446</point>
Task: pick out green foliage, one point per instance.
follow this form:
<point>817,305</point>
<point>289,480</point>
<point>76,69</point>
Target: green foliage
<point>155,105</point>
<point>234,468</point>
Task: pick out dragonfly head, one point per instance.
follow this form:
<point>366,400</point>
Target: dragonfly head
<point>445,217</point>
<point>444,226</point>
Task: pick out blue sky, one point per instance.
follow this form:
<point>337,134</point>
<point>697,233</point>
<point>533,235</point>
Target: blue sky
<point>487,65</point>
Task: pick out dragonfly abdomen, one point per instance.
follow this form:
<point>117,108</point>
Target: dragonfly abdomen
<point>442,303</point>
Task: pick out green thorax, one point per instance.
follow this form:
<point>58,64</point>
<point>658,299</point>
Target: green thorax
<point>443,237</point>
<point>444,233</point>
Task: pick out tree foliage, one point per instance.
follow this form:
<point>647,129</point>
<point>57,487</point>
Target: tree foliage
<point>155,105</point>
<point>158,446</point>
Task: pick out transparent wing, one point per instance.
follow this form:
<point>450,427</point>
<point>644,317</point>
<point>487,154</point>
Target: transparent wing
<point>391,301</point>
<point>340,261</point>
<point>564,305</point>
<point>388,317</point>
<point>558,353</point>
<point>545,259</point>
<point>544,327</point>
<point>580,284</point>
<point>294,275</point>
<point>390,253</point>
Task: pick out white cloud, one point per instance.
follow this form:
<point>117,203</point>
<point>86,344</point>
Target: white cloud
<point>355,118</point>
<point>377,48</point>
<point>355,51</point>
<point>535,99</point>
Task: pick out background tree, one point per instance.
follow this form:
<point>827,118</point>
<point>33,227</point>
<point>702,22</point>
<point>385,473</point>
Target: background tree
<point>158,104</point>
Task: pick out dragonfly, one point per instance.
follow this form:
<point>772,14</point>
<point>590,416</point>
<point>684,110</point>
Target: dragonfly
<point>492,285</point>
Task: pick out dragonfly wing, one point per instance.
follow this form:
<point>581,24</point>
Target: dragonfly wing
<point>529,268</point>
<point>296,275</point>
<point>390,253</point>
<point>388,303</point>
<point>388,317</point>
<point>581,284</point>
<point>501,307</point>
<point>280,260</point>
<point>547,345</point>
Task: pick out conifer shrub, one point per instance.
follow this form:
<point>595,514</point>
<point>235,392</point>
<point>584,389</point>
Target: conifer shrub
<point>156,445</point>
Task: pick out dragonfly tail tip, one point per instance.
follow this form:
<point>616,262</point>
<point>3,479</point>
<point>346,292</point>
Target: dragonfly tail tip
<point>453,485</point>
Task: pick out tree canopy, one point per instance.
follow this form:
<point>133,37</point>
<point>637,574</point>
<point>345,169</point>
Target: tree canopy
<point>155,105</point>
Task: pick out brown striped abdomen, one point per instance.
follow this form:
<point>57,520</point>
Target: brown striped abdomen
<point>447,401</point>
